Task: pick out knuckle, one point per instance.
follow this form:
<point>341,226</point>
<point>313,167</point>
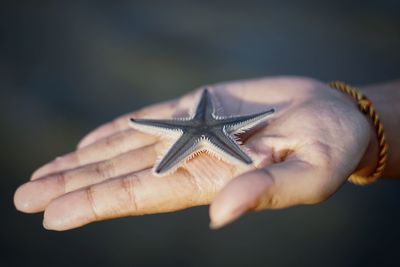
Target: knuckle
<point>190,178</point>
<point>273,201</point>
<point>104,169</point>
<point>111,140</point>
<point>270,197</point>
<point>92,202</point>
<point>189,187</point>
<point>269,200</point>
<point>62,179</point>
<point>117,139</point>
<point>128,184</point>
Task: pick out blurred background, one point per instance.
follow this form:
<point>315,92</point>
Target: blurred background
<point>68,66</point>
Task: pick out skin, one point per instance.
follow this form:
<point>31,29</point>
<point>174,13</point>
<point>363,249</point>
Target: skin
<point>314,141</point>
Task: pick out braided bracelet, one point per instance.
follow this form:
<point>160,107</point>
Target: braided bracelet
<point>366,107</point>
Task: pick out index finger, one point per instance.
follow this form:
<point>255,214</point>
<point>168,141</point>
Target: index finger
<point>135,194</point>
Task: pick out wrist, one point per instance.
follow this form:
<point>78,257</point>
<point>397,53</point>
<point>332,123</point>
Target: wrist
<point>368,162</point>
<point>379,144</point>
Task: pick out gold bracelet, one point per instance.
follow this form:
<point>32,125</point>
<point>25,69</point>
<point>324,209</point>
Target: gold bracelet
<point>366,107</point>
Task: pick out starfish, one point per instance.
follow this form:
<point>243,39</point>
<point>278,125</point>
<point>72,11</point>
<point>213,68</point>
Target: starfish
<point>204,131</point>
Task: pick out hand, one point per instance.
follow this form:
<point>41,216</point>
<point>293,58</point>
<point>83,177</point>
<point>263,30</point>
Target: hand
<point>313,142</point>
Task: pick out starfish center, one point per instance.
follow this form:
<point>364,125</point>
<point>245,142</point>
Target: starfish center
<point>205,126</point>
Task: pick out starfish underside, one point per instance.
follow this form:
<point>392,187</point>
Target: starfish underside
<point>203,131</point>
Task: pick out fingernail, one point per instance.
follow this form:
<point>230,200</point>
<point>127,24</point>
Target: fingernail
<point>234,215</point>
<point>45,225</point>
<point>213,225</point>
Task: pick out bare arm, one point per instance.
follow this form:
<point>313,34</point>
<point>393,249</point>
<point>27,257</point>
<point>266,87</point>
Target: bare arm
<point>386,99</point>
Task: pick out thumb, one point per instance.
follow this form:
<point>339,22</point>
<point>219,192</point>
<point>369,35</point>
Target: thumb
<point>281,185</point>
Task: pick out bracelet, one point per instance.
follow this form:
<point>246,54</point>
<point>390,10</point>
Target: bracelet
<point>366,107</point>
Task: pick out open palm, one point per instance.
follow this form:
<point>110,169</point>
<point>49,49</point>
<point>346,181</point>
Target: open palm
<point>313,142</point>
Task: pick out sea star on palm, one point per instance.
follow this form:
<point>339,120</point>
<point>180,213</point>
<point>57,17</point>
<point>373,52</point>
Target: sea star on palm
<point>203,131</point>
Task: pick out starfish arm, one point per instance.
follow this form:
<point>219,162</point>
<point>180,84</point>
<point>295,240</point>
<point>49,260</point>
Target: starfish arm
<point>243,123</point>
<point>177,154</point>
<point>171,128</point>
<point>225,146</point>
<point>205,108</point>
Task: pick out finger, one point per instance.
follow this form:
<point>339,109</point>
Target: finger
<point>281,185</point>
<point>136,194</point>
<point>35,195</point>
<point>121,123</point>
<point>101,150</point>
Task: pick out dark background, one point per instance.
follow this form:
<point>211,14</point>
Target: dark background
<point>66,67</point>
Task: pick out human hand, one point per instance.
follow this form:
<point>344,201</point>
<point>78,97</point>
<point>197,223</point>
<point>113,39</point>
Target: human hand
<point>315,139</point>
